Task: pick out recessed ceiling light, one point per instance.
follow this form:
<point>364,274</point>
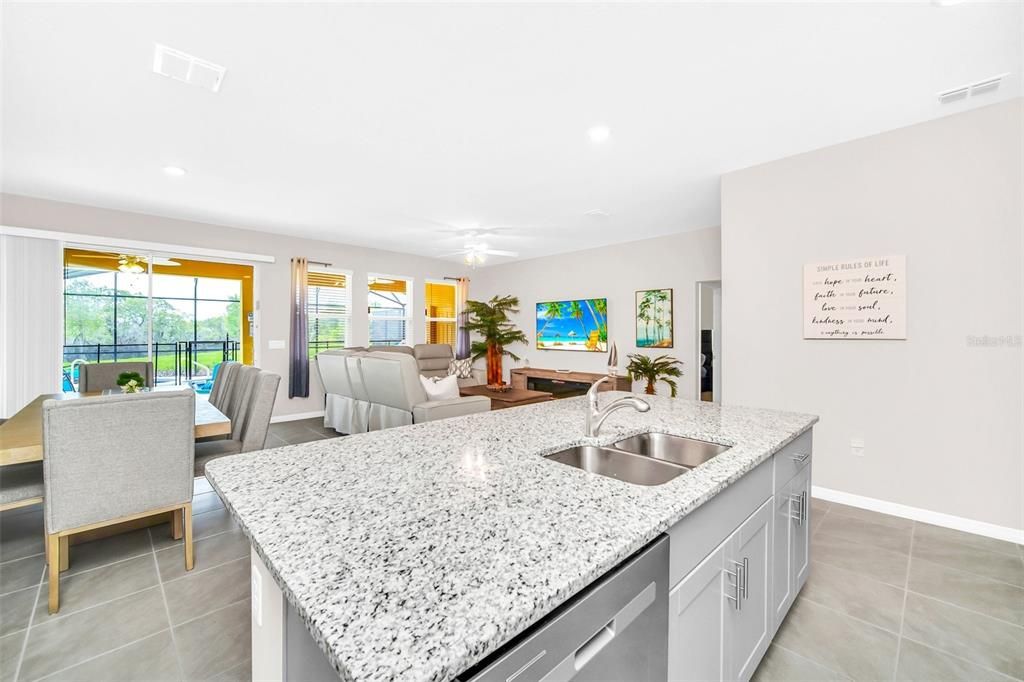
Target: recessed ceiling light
<point>174,171</point>
<point>599,134</point>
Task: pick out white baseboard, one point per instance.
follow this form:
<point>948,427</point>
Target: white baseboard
<point>277,419</point>
<point>935,518</point>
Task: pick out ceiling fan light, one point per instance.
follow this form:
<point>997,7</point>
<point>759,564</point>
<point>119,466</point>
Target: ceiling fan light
<point>131,265</point>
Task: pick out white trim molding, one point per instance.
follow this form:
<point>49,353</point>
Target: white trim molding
<point>277,419</point>
<point>935,518</point>
<point>135,245</point>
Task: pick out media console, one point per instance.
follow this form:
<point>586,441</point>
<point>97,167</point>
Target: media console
<point>563,384</point>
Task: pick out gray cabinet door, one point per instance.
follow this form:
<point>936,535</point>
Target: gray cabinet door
<point>783,527</point>
<point>801,542</point>
<point>748,622</point>
<point>696,620</point>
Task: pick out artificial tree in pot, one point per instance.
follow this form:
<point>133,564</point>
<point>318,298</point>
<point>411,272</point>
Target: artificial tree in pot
<point>663,368</point>
<point>490,320</point>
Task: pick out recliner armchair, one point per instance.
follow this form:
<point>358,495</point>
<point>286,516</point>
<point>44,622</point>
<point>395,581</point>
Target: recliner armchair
<point>397,398</point>
<point>343,410</point>
<point>433,360</point>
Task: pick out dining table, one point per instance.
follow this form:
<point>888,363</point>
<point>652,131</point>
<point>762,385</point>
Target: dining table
<point>21,436</point>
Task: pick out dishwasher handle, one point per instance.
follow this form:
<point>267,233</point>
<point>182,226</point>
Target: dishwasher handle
<point>594,645</point>
<point>577,660</point>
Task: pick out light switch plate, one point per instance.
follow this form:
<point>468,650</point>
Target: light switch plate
<point>275,344</point>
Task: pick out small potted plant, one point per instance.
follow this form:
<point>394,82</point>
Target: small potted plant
<point>664,368</point>
<point>131,382</point>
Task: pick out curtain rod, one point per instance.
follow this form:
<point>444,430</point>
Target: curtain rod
<point>329,265</point>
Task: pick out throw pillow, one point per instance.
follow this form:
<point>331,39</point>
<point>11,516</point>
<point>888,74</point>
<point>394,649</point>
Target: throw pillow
<point>440,389</point>
<point>462,369</point>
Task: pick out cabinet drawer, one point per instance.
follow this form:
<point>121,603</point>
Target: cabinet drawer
<point>790,460</point>
<point>698,533</point>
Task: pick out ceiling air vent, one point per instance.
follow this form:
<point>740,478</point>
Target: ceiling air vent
<point>186,68</point>
<point>981,87</point>
<point>954,94</point>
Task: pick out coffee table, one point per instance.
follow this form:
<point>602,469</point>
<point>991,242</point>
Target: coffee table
<point>514,397</point>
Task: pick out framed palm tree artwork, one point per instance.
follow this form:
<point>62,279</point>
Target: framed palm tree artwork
<point>654,318</point>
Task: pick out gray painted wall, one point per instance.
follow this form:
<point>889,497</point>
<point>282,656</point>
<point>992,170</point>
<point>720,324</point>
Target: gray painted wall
<point>614,272</point>
<point>941,417</point>
<point>273,280</point>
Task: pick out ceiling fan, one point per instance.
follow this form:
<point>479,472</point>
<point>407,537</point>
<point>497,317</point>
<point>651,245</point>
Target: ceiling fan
<point>129,263</point>
<point>476,253</point>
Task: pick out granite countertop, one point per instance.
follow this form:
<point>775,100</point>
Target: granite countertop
<point>414,552</point>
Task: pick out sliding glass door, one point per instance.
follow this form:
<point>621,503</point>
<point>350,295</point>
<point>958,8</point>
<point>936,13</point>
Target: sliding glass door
<point>186,316</point>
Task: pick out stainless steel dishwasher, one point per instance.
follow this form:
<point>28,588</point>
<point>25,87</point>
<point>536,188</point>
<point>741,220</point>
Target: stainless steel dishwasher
<point>615,630</point>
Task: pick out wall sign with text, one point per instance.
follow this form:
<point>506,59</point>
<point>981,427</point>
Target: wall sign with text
<point>864,298</point>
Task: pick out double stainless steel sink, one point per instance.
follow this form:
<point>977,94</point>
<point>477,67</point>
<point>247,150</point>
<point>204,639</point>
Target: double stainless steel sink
<point>646,459</point>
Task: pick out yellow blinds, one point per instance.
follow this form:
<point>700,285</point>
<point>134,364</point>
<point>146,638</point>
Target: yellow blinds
<point>326,279</point>
<point>439,300</point>
<point>390,285</point>
<point>328,310</point>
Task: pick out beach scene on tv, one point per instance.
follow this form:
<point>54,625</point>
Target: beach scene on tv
<point>580,325</point>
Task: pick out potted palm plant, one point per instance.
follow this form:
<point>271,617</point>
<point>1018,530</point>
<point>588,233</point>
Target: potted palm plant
<point>490,320</point>
<point>664,368</point>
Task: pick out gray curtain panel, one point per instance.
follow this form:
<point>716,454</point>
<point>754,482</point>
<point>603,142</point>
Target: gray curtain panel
<point>462,334</point>
<point>298,361</point>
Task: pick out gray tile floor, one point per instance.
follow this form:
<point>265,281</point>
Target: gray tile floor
<point>892,599</point>
<point>129,610</point>
<point>887,599</point>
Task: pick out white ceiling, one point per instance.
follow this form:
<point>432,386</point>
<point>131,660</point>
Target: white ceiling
<point>370,124</point>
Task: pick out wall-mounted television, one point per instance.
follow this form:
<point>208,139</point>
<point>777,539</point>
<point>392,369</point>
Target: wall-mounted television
<point>580,325</point>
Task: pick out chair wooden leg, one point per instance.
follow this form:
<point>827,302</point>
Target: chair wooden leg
<point>186,513</point>
<point>65,552</point>
<point>177,516</point>
<point>53,543</point>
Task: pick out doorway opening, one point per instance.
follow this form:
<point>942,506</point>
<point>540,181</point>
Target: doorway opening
<point>709,341</point>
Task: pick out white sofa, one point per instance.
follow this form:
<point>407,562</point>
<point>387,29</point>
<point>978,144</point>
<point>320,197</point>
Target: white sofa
<point>347,408</point>
<point>371,390</point>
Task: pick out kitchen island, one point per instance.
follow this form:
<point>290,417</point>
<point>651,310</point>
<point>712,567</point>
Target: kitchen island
<point>414,553</point>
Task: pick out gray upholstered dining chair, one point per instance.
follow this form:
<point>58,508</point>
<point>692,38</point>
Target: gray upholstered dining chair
<point>236,399</point>
<point>249,425</point>
<point>102,376</point>
<point>222,384</point>
<point>111,459</point>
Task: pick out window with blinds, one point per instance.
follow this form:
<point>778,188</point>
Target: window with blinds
<point>328,310</point>
<point>388,300</point>
<point>439,299</point>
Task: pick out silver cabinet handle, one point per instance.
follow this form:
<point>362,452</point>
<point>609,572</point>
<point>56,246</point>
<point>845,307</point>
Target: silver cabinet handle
<point>737,578</point>
<point>746,575</point>
<point>800,456</point>
<point>803,506</point>
<point>797,514</point>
